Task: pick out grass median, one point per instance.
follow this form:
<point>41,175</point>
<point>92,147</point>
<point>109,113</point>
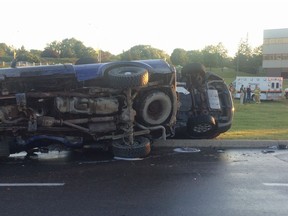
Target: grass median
<point>265,121</point>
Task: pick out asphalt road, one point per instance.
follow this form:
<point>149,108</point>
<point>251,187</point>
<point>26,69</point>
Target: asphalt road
<point>171,181</point>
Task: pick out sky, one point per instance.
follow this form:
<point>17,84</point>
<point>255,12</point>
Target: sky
<point>118,25</point>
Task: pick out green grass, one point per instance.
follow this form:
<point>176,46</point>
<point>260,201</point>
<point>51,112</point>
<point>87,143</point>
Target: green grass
<point>265,121</point>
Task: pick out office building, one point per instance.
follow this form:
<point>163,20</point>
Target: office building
<point>275,52</point>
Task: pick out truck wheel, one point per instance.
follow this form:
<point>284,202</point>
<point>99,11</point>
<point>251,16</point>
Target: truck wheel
<point>139,149</point>
<point>154,108</point>
<point>196,72</point>
<point>4,147</point>
<point>203,126</point>
<point>128,77</point>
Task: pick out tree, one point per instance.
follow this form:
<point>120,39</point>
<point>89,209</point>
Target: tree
<point>247,59</point>
<point>195,56</point>
<point>3,49</point>
<point>50,53</point>
<point>209,56</point>
<point>179,57</point>
<point>24,55</point>
<point>36,52</point>
<point>87,52</point>
<point>68,48</point>
<point>141,52</point>
<point>214,56</point>
<point>257,58</point>
<point>222,55</point>
<point>54,46</point>
<point>6,52</point>
<point>105,56</point>
<point>243,56</point>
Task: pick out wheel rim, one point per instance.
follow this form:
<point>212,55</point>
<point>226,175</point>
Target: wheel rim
<point>202,128</point>
<point>156,108</point>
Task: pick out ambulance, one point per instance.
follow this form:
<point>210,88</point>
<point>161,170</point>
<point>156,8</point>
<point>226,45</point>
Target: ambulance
<point>271,87</point>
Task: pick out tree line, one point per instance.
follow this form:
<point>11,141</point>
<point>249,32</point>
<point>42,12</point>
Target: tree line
<point>247,59</point>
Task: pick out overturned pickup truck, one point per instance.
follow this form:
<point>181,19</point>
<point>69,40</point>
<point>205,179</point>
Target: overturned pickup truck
<point>121,106</point>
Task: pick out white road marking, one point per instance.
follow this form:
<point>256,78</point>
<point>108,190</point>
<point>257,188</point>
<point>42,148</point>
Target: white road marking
<point>276,184</point>
<point>31,184</point>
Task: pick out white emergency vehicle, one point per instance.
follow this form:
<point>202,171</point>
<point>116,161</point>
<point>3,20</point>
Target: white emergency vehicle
<point>271,87</point>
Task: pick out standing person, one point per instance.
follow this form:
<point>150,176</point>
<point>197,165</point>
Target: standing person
<point>232,90</point>
<point>242,94</point>
<point>248,92</point>
<point>245,96</point>
<point>257,93</point>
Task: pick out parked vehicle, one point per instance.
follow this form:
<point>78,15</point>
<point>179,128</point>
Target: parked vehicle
<point>121,106</point>
<point>271,87</point>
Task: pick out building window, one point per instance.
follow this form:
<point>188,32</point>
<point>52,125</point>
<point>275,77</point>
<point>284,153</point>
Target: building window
<point>281,56</point>
<point>275,41</point>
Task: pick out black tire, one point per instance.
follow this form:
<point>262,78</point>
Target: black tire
<point>203,127</point>
<point>4,147</point>
<point>128,77</point>
<point>139,149</point>
<point>213,135</point>
<point>154,108</point>
<point>196,72</point>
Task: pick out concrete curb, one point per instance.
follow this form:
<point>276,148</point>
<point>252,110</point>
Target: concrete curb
<point>220,143</point>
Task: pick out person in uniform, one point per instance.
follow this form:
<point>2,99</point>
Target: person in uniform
<point>242,94</point>
<point>257,93</point>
